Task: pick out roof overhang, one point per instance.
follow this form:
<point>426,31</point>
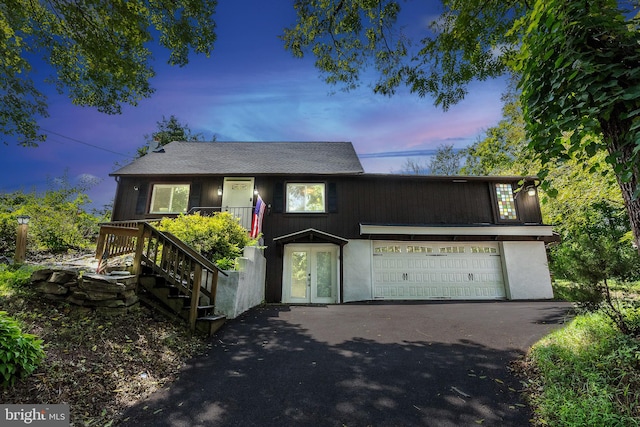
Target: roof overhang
<point>310,234</point>
<point>497,232</point>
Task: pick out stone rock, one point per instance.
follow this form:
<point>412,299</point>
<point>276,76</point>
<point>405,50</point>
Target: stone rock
<point>131,300</point>
<point>100,296</point>
<point>92,284</point>
<point>54,297</point>
<point>41,275</point>
<point>62,276</point>
<point>80,295</point>
<point>100,277</point>
<point>127,294</point>
<point>52,288</point>
<point>73,299</point>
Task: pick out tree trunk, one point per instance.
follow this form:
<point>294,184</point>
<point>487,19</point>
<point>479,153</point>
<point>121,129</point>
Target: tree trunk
<point>628,188</point>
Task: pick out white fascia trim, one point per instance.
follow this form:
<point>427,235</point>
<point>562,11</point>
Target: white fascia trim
<point>499,230</point>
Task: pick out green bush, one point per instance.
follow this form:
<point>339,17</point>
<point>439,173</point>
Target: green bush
<point>598,248</point>
<point>58,219</point>
<point>20,353</point>
<point>219,238</point>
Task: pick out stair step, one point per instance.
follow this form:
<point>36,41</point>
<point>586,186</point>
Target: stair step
<point>180,296</point>
<point>212,318</point>
<point>201,307</point>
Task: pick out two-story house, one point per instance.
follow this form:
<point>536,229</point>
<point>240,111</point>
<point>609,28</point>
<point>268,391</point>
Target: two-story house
<point>333,233</point>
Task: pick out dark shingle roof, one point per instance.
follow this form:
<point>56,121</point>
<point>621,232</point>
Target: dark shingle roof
<point>251,158</point>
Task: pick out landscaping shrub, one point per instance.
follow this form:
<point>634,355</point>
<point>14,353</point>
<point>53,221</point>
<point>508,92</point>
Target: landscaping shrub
<point>219,238</point>
<point>20,353</point>
<point>58,223</point>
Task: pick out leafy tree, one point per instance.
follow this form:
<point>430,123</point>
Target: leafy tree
<point>585,81</point>
<point>578,62</point>
<point>446,161</point>
<point>587,211</point>
<point>169,130</point>
<point>413,167</point>
<point>503,150</point>
<point>98,51</point>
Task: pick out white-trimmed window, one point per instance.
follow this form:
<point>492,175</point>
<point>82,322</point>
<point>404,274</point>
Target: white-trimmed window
<point>305,197</point>
<point>506,202</point>
<point>169,198</point>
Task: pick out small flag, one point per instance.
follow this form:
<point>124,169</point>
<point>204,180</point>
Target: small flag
<point>258,213</point>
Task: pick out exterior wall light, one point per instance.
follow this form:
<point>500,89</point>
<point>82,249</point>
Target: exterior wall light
<point>255,191</point>
<point>219,191</point>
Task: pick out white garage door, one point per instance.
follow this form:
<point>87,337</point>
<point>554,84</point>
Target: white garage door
<point>432,270</point>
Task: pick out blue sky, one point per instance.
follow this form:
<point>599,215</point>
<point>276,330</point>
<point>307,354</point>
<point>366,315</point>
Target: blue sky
<point>251,89</point>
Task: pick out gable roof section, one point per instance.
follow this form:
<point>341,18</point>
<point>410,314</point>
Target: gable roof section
<point>248,158</point>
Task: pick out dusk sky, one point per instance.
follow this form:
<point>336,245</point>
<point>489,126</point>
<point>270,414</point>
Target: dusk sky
<point>250,89</point>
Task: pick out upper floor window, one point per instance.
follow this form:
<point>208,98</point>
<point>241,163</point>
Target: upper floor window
<point>169,198</point>
<point>305,197</point>
<point>506,202</point>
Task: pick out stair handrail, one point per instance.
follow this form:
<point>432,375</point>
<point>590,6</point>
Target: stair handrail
<point>137,237</point>
<point>197,256</point>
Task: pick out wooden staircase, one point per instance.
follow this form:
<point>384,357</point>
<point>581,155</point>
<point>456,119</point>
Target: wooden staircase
<point>172,277</point>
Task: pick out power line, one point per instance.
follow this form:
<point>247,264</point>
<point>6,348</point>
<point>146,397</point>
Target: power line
<point>86,143</point>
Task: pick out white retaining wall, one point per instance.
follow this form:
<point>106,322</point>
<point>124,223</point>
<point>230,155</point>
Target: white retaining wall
<point>244,288</point>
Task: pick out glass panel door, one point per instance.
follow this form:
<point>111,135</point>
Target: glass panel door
<point>310,273</point>
<point>323,275</point>
<point>299,275</point>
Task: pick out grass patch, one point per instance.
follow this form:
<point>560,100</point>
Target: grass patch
<point>13,279</point>
<point>586,374</point>
<point>566,290</point>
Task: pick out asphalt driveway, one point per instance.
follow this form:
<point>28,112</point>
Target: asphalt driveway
<point>370,364</point>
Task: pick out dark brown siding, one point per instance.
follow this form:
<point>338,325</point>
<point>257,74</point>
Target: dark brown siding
<point>359,199</point>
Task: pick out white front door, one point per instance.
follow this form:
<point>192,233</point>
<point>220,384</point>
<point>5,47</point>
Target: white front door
<point>237,198</point>
<point>310,273</point>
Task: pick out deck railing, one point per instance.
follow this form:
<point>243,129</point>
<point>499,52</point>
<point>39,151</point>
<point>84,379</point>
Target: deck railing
<point>243,213</point>
<point>184,268</point>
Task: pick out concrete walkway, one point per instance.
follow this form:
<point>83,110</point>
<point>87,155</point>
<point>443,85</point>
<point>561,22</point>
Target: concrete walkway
<point>371,364</point>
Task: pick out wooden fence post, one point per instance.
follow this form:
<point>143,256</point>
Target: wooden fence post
<point>137,259</point>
